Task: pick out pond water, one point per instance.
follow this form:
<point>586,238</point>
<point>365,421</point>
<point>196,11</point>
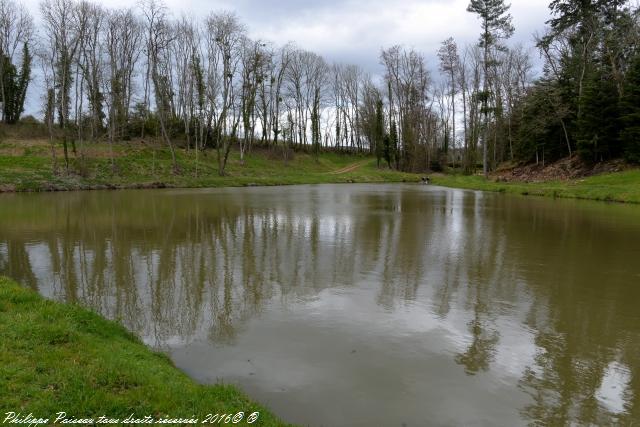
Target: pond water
<point>359,305</point>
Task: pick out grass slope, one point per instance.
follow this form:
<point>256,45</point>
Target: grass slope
<point>56,357</point>
<point>617,187</point>
<point>27,166</point>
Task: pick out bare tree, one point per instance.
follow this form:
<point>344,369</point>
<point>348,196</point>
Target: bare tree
<point>225,38</point>
<point>449,65</point>
<point>160,36</point>
<point>88,68</point>
<point>254,72</point>
<point>372,122</point>
<point>316,81</point>
<point>470,80</point>
<point>513,75</point>
<point>123,40</point>
<point>347,86</point>
<point>296,92</point>
<point>408,80</point>
<point>306,82</point>
<point>280,69</point>
<point>496,25</point>
<point>48,100</point>
<point>61,34</point>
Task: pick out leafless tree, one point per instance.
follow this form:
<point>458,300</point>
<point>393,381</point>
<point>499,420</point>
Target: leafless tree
<point>160,35</point>
<point>88,68</point>
<point>225,38</point>
<point>63,39</point>
<point>255,62</point>
<point>408,81</point>
<point>450,65</point>
<point>123,35</point>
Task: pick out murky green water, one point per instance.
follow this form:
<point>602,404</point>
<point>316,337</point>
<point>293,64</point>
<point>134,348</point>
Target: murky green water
<point>358,305</point>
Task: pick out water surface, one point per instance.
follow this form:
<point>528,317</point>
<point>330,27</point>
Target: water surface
<point>355,305</point>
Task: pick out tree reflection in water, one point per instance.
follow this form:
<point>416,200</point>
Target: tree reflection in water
<point>178,267</point>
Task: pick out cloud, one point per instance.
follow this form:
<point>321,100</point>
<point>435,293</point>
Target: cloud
<point>356,30</point>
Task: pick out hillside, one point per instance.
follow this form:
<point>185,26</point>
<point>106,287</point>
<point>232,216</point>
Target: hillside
<point>26,165</point>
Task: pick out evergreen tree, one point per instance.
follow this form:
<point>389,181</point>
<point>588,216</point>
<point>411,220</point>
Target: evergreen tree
<point>9,73</point>
<point>386,150</point>
<point>379,134</point>
<point>630,113</point>
<point>598,126</point>
<point>393,150</point>
<point>23,82</point>
<point>581,13</point>
<point>315,126</point>
<point>15,86</point>
<point>496,25</point>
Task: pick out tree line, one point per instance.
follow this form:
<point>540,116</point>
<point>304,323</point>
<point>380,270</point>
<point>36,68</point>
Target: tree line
<point>119,74</point>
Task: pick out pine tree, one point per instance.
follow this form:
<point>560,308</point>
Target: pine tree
<point>9,73</point>
<point>315,126</point>
<point>15,86</point>
<point>379,133</point>
<point>496,25</point>
<point>23,82</point>
<point>630,113</point>
<point>598,127</point>
<point>394,149</point>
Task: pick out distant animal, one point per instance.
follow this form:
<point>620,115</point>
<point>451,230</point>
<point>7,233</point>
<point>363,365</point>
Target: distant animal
<point>425,180</point>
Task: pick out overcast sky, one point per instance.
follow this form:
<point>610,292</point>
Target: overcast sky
<point>354,31</point>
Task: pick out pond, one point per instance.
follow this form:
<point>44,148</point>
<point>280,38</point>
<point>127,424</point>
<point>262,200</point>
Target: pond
<point>359,305</point>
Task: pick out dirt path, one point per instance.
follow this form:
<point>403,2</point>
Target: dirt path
<point>349,168</point>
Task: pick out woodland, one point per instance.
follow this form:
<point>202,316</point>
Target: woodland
<point>112,75</point>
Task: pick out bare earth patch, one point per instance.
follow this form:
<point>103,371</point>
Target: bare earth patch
<point>349,168</point>
<point>562,170</point>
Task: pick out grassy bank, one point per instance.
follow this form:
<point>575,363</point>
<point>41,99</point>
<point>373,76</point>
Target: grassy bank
<point>56,357</point>
<point>618,187</point>
<point>26,165</point>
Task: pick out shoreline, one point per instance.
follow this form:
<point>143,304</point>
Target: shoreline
<point>137,167</point>
<point>618,187</point>
<point>162,185</point>
<point>570,189</point>
<point>59,357</point>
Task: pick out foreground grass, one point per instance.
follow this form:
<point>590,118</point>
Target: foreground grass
<point>56,357</point>
<point>27,166</point>
<point>617,187</point>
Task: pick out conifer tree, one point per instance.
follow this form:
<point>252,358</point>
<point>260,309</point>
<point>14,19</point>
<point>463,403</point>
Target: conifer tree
<point>598,124</point>
<point>496,25</point>
<point>394,155</point>
<point>379,133</point>
<point>15,85</point>
<point>630,113</point>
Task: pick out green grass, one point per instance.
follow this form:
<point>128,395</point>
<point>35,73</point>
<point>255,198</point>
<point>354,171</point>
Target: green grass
<point>27,166</point>
<point>617,187</point>
<point>56,357</point>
